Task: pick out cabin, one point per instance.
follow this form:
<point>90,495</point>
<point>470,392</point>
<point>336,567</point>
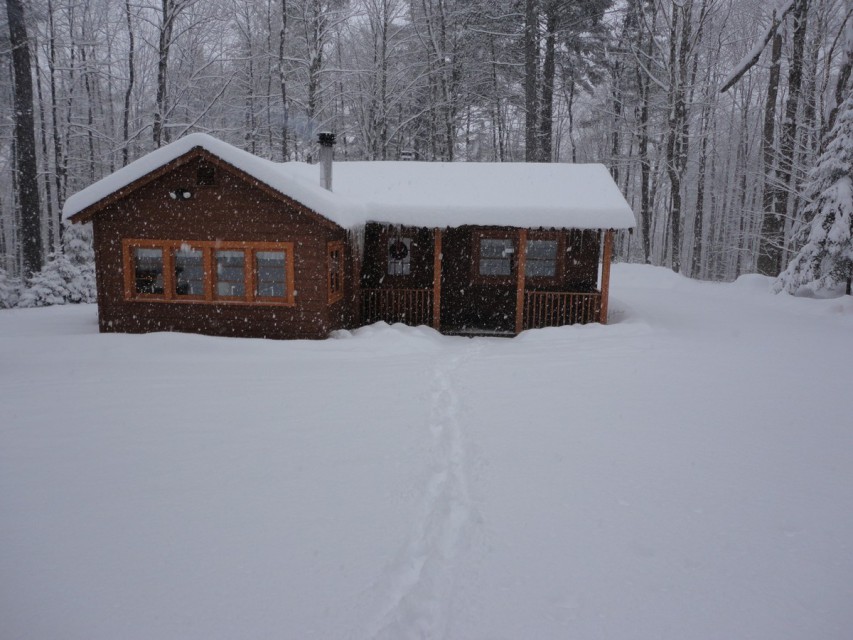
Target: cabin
<point>200,236</point>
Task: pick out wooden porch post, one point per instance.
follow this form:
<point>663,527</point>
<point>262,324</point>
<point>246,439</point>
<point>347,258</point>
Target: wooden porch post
<point>605,274</point>
<point>519,275</point>
<point>356,280</point>
<point>436,280</point>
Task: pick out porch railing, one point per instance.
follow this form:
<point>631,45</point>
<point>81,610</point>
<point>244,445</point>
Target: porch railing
<point>556,308</point>
<point>409,306</point>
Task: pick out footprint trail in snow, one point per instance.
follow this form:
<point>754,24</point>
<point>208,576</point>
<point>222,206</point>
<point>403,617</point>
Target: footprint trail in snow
<point>419,586</point>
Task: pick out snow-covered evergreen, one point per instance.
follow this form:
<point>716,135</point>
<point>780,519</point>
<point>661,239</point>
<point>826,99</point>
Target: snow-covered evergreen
<point>68,276</point>
<point>826,260</point>
<point>9,290</point>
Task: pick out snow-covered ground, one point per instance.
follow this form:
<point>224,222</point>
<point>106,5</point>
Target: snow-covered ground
<point>686,472</point>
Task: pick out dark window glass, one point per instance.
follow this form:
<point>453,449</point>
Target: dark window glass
<point>271,269</point>
<point>148,270</point>
<point>230,274</point>
<point>496,256</point>
<point>541,259</point>
<point>189,272</point>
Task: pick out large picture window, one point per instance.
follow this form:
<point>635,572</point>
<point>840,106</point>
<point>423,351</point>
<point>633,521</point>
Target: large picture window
<point>209,272</point>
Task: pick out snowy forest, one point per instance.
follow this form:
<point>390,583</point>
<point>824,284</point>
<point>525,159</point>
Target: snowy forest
<point>712,115</point>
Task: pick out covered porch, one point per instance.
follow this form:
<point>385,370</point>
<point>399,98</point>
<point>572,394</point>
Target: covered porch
<point>482,280</point>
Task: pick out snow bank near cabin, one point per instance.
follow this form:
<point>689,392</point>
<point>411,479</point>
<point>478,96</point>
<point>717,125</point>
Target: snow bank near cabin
<point>684,472</point>
<point>427,194</point>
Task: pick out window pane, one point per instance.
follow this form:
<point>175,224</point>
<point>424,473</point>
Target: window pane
<point>148,270</point>
<point>496,256</point>
<point>230,274</point>
<point>399,256</point>
<point>189,272</point>
<point>271,274</point>
<point>542,249</point>
<point>541,258</point>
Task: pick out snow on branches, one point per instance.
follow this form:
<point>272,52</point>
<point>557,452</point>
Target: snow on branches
<point>826,260</point>
<point>68,276</point>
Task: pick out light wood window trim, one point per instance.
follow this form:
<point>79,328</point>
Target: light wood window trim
<point>208,249</point>
<point>130,292</point>
<point>332,248</point>
<point>287,247</point>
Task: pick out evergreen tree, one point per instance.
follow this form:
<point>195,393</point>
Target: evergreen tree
<point>68,276</point>
<point>826,260</point>
<point>9,290</point>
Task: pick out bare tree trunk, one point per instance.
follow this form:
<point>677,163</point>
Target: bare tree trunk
<point>677,137</point>
<point>546,118</point>
<point>125,129</point>
<point>169,11</point>
<point>767,261</point>
<point>282,78</point>
<point>49,226</point>
<point>785,178</point>
<point>26,167</point>
<point>59,168</point>
<point>643,83</point>
<point>531,84</point>
<point>699,222</point>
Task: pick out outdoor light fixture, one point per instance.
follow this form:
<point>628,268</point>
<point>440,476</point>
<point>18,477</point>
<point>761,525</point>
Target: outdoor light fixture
<point>180,194</point>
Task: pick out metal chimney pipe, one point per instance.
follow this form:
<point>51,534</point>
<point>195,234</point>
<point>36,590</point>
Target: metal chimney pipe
<point>327,153</point>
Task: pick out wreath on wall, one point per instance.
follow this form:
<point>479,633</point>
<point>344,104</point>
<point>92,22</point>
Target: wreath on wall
<point>398,250</point>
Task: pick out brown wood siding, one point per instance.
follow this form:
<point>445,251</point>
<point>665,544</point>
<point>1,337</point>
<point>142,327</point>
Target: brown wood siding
<point>231,210</point>
<point>374,273</point>
<point>468,300</point>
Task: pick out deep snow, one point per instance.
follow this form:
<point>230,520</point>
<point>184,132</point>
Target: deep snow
<point>686,472</point>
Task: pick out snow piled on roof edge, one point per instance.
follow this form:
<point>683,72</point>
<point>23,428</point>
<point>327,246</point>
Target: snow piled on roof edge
<point>348,212</point>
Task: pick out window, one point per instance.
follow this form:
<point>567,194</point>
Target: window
<point>209,272</point>
<point>496,257</point>
<point>271,270</point>
<point>336,271</point>
<point>541,260</point>
<point>230,274</point>
<point>399,256</point>
<point>148,271</point>
<point>189,271</point>
<point>205,176</point>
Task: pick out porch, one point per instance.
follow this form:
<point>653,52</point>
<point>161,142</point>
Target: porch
<point>483,281</point>
<point>539,309</point>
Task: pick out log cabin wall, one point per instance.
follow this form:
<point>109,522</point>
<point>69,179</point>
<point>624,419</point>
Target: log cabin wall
<point>231,209</point>
<point>375,273</point>
<point>582,251</point>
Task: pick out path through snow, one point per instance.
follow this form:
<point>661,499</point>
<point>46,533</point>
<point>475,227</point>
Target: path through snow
<point>417,589</point>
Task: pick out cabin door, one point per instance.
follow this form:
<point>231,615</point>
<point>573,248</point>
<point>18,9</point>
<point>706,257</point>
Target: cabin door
<point>493,279</point>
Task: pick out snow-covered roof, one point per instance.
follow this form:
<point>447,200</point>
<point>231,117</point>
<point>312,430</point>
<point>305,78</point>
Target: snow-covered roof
<point>425,194</point>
